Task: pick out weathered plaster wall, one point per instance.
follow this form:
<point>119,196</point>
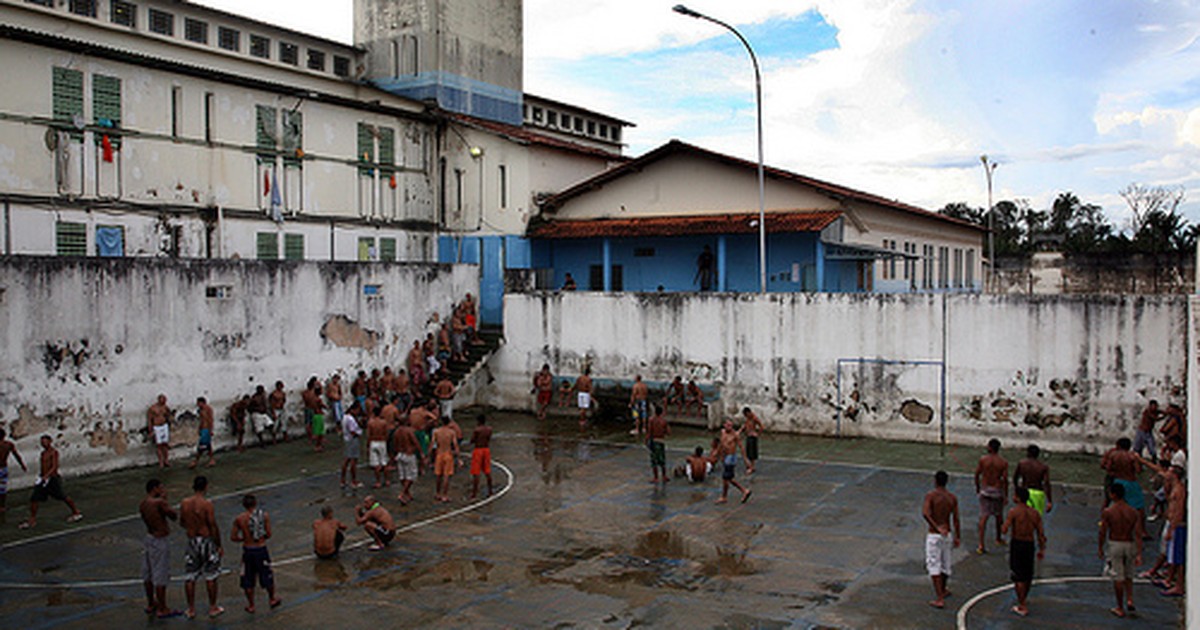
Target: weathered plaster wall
<point>1069,372</point>
<point>86,344</point>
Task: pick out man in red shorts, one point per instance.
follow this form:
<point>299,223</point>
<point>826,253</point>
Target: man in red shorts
<point>481,456</point>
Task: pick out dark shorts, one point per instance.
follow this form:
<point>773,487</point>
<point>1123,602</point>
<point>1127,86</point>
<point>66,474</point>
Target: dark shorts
<point>205,444</point>
<point>51,489</point>
<point>730,469</point>
<point>1178,545</point>
<point>385,535</point>
<point>256,565</point>
<point>752,447</point>
<point>991,501</point>
<point>1021,555</point>
<point>658,453</point>
<point>338,539</point>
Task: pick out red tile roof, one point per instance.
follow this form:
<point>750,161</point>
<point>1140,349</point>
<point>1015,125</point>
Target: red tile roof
<point>522,135</point>
<point>746,223</point>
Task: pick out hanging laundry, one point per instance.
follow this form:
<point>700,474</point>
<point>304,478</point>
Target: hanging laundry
<point>266,183</point>
<point>392,181</point>
<point>276,202</point>
<point>106,148</point>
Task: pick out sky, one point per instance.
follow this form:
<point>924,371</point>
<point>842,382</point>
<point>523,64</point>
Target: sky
<point>895,97</point>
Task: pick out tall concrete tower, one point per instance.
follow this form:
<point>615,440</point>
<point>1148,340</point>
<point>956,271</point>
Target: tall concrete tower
<point>465,54</point>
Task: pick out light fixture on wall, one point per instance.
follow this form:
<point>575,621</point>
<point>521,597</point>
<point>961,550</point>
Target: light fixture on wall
<point>476,152</point>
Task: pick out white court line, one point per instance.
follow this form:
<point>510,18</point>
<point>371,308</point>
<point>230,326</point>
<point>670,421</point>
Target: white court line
<point>966,607</point>
<point>179,578</point>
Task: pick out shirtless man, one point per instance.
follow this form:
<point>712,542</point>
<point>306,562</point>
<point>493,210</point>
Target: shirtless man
<point>377,430</point>
<point>1023,521</point>
<point>695,467</point>
<point>404,397</point>
<point>1176,423</point>
<point>675,392</point>
<point>260,415</point>
<point>277,401</point>
<point>694,396</point>
<point>564,393</point>
<point>445,447</point>
<point>939,509</point>
<point>1144,437</point>
<point>753,428</point>
<point>657,430</point>
<point>204,552</point>
<point>1123,467</point>
<point>445,395</point>
<point>237,415</point>
<point>49,484</point>
<point>7,447</point>
<point>358,389</point>
<point>157,424</point>
<point>377,522</point>
<point>390,414</point>
<point>422,420</point>
<point>1175,529</point>
<point>156,549</point>
<point>408,455</point>
<point>1120,546</point>
<point>991,481</point>
<point>583,395</point>
<point>328,535</point>
<point>728,448</point>
<point>543,386</point>
<point>638,407</point>
<point>333,396</point>
<point>252,528</point>
<point>351,448</point>
<point>1034,475</point>
<point>387,383</point>
<point>481,455</point>
<point>416,365</point>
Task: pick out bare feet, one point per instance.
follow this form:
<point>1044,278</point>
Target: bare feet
<point>215,612</point>
<point>722,500</point>
<point>746,497</point>
<point>1020,610</point>
<point>936,603</point>
<point>1117,612</point>
<point>276,602</point>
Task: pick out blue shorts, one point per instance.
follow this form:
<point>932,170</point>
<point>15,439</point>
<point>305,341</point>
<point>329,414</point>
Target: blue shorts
<point>205,444</point>
<point>1178,546</point>
<point>730,467</point>
<point>1133,494</point>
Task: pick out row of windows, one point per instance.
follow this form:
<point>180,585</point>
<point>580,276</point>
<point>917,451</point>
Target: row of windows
<point>959,274</point>
<point>562,121</point>
<point>198,31</point>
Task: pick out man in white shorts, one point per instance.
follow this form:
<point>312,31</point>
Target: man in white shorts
<point>377,455</point>
<point>158,420</point>
<point>350,434</point>
<point>939,508</point>
<point>583,397</point>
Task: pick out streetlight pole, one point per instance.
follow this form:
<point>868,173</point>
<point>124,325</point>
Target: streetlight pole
<point>989,167</point>
<point>762,218</point>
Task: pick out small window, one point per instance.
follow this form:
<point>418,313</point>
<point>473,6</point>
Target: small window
<point>591,128</point>
<point>229,38</point>
<point>260,46</point>
<point>552,118</point>
<point>268,246</point>
<point>566,122</point>
<point>124,13</point>
<point>537,115</point>
<point>615,136</point>
<point>289,53</point>
<point>503,176</point>
<point>387,249</point>
<point>86,8</point>
<point>643,252</point>
<point>603,131</point>
<point>293,247</point>
<point>162,23</point>
<point>578,124</point>
<point>316,60</point>
<point>218,292</point>
<point>341,66</point>
<point>366,248</point>
<point>110,241</point>
<point>209,111</point>
<point>70,239</point>
<point>195,31</point>
<point>176,111</point>
<point>595,277</point>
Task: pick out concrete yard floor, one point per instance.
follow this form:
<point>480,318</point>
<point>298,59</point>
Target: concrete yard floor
<point>577,537</point>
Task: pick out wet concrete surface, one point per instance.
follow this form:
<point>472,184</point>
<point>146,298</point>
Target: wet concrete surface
<point>581,539</point>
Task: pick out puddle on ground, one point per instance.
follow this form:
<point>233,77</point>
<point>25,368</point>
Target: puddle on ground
<point>452,571</point>
<point>66,597</point>
<point>329,573</point>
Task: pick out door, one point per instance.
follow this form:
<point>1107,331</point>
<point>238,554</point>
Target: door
<point>491,281</point>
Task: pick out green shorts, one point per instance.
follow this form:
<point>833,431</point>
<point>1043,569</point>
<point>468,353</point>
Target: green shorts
<point>318,424</point>
<point>658,453</point>
<point>1037,500</point>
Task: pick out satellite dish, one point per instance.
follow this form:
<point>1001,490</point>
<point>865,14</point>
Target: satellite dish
<point>51,138</point>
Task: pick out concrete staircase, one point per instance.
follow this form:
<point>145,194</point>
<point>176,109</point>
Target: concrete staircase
<point>492,338</point>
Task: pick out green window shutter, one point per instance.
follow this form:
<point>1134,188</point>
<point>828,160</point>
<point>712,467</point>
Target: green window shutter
<point>387,249</point>
<point>293,247</point>
<point>265,132</point>
<point>70,239</point>
<point>387,147</point>
<point>366,149</point>
<point>106,106</point>
<point>68,97</point>
<point>293,137</point>
<point>365,245</point>
<point>268,246</point>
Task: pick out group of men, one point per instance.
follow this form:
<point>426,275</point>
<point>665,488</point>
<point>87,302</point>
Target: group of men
<point>1121,530</point>
<point>729,446</point>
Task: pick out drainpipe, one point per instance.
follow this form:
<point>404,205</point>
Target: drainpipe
<point>332,242</point>
<point>7,229</point>
<point>721,262</point>
<point>220,232</point>
<point>607,261</point>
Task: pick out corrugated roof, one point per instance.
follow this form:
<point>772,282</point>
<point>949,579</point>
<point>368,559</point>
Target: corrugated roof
<point>742,223</point>
<point>675,146</point>
<point>525,136</point>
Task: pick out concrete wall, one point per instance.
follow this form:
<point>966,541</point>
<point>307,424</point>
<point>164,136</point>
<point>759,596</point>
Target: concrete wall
<point>86,344</point>
<point>1071,373</point>
<point>1053,272</point>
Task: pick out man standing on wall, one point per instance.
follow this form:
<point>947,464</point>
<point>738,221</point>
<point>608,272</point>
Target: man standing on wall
<point>444,391</point>
<point>157,422</point>
<point>991,482</point>
<point>543,386</point>
<point>939,508</point>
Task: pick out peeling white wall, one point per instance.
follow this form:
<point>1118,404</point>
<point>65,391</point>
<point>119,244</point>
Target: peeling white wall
<point>86,345</point>
<point>1069,372</point>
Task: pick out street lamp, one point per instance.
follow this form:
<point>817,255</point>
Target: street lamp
<point>989,167</point>
<point>762,222</point>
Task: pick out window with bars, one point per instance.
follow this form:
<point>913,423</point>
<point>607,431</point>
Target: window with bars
<point>293,137</point>
<point>195,31</point>
<point>341,66</point>
<point>229,38</point>
<point>70,238</point>
<point>67,92</point>
<point>316,60</point>
<point>366,248</point>
<point>162,23</point>
<point>43,3</point>
<point>293,247</point>
<point>366,149</point>
<point>85,8</point>
<point>264,128</point>
<point>267,246</point>
<point>123,13</point>
<point>260,46</point>
<point>387,249</point>
<point>387,149</point>
<point>106,105</point>
<point>289,53</point>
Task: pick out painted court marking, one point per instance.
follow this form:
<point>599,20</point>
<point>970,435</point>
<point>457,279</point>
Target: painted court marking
<point>966,607</point>
<point>287,561</point>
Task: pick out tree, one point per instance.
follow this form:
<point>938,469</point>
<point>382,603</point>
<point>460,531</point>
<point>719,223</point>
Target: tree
<point>1145,200</point>
<point>1079,227</point>
<point>960,210</point>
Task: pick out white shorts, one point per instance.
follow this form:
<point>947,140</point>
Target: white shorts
<point>377,451</point>
<point>162,434</point>
<point>937,554</point>
<point>707,470</point>
<point>584,400</point>
<point>447,405</point>
<point>406,467</point>
<point>260,422</point>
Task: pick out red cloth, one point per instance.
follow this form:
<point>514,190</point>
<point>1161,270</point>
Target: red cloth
<point>266,183</point>
<point>106,148</point>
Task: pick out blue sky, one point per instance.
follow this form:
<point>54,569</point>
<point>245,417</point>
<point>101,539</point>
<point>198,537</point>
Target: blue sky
<point>896,97</point>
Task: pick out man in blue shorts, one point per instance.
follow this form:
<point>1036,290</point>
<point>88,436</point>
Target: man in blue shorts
<point>729,446</point>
